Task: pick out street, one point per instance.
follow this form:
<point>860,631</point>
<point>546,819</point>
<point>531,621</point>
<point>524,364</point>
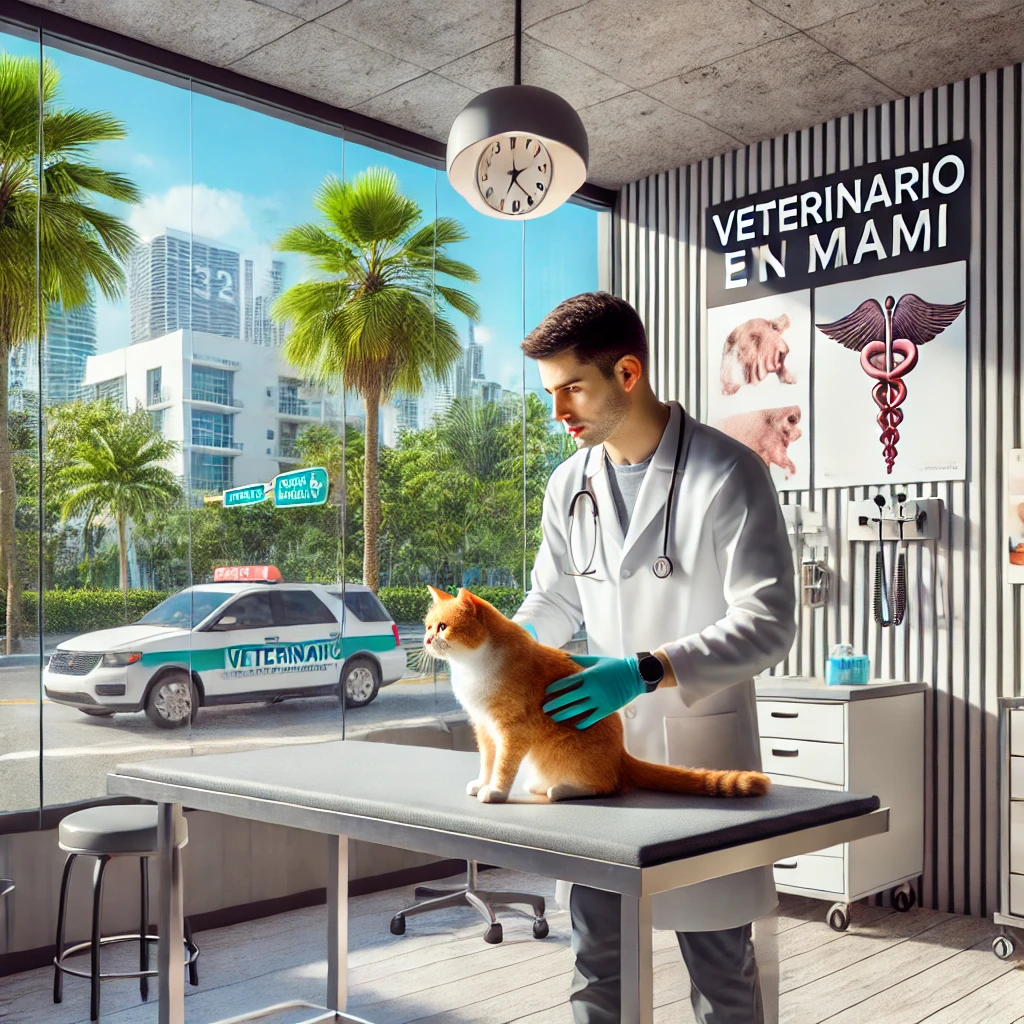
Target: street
<point>79,750</point>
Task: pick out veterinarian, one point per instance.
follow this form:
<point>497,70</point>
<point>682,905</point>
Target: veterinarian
<point>711,599</point>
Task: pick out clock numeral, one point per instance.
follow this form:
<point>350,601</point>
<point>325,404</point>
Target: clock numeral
<point>501,206</point>
<point>540,186</point>
<point>536,152</point>
<point>496,148</point>
<point>529,200</point>
<point>515,205</point>
<point>543,168</point>
<point>488,193</point>
<point>511,142</point>
<point>483,177</point>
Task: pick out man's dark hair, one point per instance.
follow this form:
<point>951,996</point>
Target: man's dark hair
<point>596,327</point>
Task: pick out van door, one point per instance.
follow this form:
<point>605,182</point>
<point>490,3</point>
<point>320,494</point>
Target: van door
<point>246,636</point>
<point>312,635</point>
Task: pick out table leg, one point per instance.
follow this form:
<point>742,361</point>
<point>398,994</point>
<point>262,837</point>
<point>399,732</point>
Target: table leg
<point>337,922</point>
<point>171,948</point>
<point>637,960</point>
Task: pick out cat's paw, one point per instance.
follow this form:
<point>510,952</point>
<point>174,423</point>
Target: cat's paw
<point>492,795</point>
<point>474,787</point>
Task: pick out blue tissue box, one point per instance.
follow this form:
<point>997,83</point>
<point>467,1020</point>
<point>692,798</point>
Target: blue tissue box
<point>848,670</point>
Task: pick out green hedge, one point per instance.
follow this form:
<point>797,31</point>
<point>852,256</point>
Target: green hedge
<point>410,604</point>
<point>79,611</point>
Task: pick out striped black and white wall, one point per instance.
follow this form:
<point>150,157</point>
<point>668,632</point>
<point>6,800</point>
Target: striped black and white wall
<point>964,632</point>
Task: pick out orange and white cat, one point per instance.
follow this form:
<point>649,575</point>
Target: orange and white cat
<point>499,675</point>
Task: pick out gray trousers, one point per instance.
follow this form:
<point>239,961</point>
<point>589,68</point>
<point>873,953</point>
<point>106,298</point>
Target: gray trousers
<point>724,985</point>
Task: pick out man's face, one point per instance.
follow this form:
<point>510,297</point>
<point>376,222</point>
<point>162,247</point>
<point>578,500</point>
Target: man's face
<point>590,405</point>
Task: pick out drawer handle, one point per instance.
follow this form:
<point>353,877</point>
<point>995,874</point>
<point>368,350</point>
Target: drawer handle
<point>785,753</point>
<point>785,714</point>
<point>784,864</point>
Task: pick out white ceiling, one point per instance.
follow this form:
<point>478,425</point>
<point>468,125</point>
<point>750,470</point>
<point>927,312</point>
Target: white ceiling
<point>658,83</point>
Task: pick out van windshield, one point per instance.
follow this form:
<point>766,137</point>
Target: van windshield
<point>187,609</point>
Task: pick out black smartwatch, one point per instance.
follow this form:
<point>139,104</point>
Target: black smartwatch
<point>651,670</point>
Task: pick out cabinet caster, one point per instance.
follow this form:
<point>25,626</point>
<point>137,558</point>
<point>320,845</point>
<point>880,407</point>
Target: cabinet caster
<point>1004,947</point>
<point>540,928</point>
<point>398,924</point>
<point>839,917</point>
<point>903,897</point>
<point>493,934</point>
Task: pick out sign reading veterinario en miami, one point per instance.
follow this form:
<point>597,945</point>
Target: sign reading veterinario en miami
<point>867,270</point>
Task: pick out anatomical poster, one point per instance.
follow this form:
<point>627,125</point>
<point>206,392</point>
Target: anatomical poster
<point>890,373</point>
<point>759,380</point>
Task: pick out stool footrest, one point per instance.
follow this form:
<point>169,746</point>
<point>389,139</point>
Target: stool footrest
<point>79,947</point>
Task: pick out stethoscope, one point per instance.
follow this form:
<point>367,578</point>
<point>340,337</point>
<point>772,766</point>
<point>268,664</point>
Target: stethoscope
<point>662,566</point>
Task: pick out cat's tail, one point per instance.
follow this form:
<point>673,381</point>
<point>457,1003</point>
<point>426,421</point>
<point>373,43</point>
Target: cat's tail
<point>699,781</point>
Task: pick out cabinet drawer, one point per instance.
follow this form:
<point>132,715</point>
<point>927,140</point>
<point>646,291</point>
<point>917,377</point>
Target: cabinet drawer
<point>1017,778</point>
<point>811,872</point>
<point>1017,732</point>
<point>800,720</point>
<point>1016,894</point>
<point>806,759</point>
<point>1017,836</point>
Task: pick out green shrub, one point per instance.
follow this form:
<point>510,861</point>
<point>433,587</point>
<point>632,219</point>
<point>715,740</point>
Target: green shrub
<point>80,611</point>
<point>410,604</point>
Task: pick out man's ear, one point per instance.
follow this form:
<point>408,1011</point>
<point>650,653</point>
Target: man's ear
<point>438,595</point>
<point>470,600</point>
<point>629,370</point>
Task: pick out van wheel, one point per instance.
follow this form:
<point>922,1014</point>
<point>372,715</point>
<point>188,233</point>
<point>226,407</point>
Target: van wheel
<point>360,682</point>
<point>171,702</point>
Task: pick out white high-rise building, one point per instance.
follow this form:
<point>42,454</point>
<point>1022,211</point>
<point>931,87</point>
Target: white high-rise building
<point>178,281</point>
<point>235,409</point>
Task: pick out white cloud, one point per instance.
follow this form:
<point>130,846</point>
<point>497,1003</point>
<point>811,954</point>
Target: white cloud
<point>483,335</point>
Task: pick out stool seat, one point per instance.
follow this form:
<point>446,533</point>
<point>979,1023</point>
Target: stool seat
<point>115,830</point>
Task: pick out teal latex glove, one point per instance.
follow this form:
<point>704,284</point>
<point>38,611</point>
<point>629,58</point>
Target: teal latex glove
<point>529,629</point>
<point>604,686</point>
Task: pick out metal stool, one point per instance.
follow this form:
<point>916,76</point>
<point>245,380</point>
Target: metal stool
<point>480,899</point>
<point>105,833</point>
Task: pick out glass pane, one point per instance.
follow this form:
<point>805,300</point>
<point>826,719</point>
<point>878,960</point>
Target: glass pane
<point>20,665</point>
<point>116,331</point>
<point>254,414</point>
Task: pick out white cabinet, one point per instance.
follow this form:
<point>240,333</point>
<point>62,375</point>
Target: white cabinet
<point>861,739</point>
<point>1011,827</point>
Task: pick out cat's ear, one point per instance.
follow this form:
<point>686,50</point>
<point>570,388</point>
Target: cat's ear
<point>470,600</point>
<point>438,595</point>
<point>782,323</point>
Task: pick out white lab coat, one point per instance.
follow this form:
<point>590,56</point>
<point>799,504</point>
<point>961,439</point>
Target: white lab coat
<point>725,614</point>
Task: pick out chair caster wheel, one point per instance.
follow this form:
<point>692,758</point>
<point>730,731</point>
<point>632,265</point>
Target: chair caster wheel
<point>839,917</point>
<point>1004,947</point>
<point>540,928</point>
<point>398,924</point>
<point>493,934</point>
<point>903,897</point>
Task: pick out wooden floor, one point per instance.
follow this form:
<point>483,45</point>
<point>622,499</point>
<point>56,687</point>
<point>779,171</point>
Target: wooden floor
<point>888,969</point>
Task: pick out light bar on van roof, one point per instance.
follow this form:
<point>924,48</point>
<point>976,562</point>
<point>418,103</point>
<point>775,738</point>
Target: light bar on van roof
<point>243,573</point>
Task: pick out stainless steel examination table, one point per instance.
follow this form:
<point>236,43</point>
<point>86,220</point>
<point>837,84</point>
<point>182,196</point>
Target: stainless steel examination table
<point>415,798</point>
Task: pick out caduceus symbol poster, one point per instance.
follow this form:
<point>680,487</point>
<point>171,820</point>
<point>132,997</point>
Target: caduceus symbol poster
<point>837,322</point>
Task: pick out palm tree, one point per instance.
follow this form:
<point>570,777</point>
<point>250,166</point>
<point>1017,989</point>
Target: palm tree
<point>116,474</point>
<point>376,322</point>
<point>79,245</point>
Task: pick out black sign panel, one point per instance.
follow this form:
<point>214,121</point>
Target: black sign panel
<point>881,218</point>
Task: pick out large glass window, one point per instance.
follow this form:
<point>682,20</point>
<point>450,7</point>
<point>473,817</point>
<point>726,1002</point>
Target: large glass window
<point>208,357</point>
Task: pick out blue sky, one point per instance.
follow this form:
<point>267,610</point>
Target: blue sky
<point>240,178</point>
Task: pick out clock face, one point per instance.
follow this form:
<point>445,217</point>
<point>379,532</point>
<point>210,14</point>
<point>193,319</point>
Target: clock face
<point>514,174</point>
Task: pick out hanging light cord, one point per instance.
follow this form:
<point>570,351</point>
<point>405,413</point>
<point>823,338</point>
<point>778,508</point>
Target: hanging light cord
<point>519,43</point>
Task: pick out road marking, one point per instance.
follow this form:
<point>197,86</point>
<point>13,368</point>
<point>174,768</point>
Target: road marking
<point>25,701</point>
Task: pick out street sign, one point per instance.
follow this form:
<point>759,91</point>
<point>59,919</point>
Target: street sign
<point>251,495</point>
<point>301,487</point>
